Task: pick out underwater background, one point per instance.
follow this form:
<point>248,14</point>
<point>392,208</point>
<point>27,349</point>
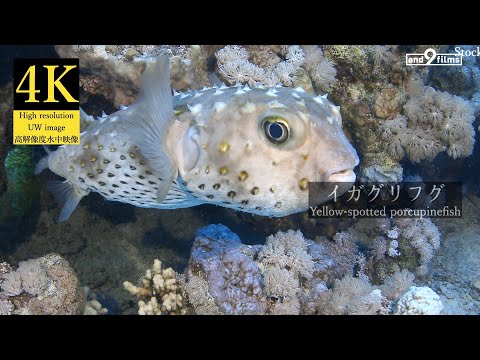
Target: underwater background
<point>406,123</point>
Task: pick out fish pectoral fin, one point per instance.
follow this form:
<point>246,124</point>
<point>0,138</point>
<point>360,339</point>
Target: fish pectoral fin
<point>163,189</point>
<point>147,122</point>
<point>41,165</point>
<point>67,196</point>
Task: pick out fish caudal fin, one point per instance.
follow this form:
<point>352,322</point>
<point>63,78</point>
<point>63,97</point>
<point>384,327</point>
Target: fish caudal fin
<point>148,121</point>
<point>67,196</point>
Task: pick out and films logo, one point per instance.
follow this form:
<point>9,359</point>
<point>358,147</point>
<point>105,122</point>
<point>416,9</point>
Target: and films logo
<point>46,105</point>
<point>431,58</point>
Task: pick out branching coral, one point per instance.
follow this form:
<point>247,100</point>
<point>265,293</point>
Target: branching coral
<point>435,121</point>
<point>160,292</point>
<point>94,307</point>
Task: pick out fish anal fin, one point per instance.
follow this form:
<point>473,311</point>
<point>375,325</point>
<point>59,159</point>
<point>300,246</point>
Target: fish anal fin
<point>67,196</point>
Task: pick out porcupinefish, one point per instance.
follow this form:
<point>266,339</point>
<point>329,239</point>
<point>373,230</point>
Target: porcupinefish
<point>250,149</point>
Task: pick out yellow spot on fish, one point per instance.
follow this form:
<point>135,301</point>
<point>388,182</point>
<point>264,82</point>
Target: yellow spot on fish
<point>82,163</point>
<point>112,149</point>
<point>305,157</point>
<point>223,170</point>
<point>100,147</point>
<point>86,146</point>
<point>93,159</point>
<point>99,171</point>
<point>223,147</point>
<point>303,183</point>
<point>132,155</point>
<point>243,176</point>
<point>71,168</point>
<point>254,191</point>
<point>179,112</point>
<point>207,169</point>
<point>136,148</point>
<point>273,188</point>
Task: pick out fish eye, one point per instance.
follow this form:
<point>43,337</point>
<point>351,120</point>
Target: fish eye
<point>276,129</point>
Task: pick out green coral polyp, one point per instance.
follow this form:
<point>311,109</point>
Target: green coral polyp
<point>22,186</point>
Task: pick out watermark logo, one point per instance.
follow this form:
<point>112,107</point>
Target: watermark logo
<point>431,58</point>
<point>46,102</point>
<point>392,200</point>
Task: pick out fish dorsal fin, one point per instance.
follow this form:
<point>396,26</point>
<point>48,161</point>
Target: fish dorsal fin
<point>85,120</point>
<point>67,196</point>
<point>148,120</point>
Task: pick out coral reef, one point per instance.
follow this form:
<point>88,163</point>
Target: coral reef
<point>295,272</point>
<point>437,121</point>
<point>234,279</point>
<point>399,243</point>
<point>363,269</point>
<point>94,307</point>
<point>352,296</point>
<point>43,286</point>
<point>419,301</point>
<point>160,292</point>
<point>304,66</point>
<point>287,275</point>
<point>397,284</point>
<point>458,80</point>
<point>115,70</point>
<point>320,69</point>
<point>455,273</point>
<point>234,65</point>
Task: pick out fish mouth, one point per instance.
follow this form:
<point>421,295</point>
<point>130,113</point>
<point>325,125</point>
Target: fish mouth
<point>345,175</point>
